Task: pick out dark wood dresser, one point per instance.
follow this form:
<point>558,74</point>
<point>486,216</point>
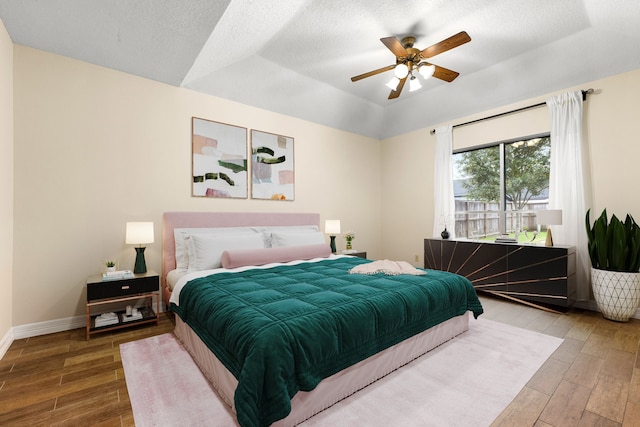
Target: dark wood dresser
<point>540,276</point>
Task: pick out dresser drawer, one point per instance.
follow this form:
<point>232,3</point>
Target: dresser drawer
<point>121,288</point>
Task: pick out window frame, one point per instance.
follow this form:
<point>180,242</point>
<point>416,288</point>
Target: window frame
<point>502,203</point>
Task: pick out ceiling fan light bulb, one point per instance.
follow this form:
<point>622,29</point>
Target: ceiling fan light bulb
<point>414,84</point>
<point>401,71</point>
<point>427,70</point>
<point>393,83</point>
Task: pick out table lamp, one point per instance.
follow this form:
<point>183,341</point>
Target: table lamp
<point>332,228</point>
<point>549,217</point>
<point>139,233</point>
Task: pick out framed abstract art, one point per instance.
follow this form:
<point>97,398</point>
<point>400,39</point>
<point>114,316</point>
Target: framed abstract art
<point>219,159</point>
<point>272,166</point>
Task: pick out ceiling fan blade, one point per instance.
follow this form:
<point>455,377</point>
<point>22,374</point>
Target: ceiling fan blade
<point>373,73</point>
<point>446,44</point>
<point>396,93</point>
<point>394,45</point>
<point>445,74</point>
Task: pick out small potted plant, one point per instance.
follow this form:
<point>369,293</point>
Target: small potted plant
<point>614,251</point>
<point>111,265</point>
<point>349,236</point>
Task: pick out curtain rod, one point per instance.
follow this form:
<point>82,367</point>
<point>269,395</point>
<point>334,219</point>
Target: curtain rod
<point>584,98</point>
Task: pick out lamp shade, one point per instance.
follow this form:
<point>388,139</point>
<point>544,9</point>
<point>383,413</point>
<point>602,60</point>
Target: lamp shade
<point>414,84</point>
<point>426,70</point>
<point>393,83</point>
<point>332,226</point>
<point>139,233</point>
<point>550,217</point>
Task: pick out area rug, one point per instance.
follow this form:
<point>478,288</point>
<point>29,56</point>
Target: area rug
<point>467,381</point>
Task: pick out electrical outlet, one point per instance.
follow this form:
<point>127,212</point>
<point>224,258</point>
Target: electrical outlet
<point>416,258</point>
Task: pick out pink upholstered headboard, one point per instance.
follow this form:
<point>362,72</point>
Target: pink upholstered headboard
<point>171,220</point>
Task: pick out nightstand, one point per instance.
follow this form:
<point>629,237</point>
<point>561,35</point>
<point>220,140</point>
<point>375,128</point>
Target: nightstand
<point>358,254</point>
<point>137,291</point>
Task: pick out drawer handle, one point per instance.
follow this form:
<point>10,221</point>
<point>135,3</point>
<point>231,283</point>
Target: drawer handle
<point>125,287</point>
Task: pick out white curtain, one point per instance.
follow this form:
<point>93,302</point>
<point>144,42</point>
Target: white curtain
<point>443,203</point>
<point>569,181</point>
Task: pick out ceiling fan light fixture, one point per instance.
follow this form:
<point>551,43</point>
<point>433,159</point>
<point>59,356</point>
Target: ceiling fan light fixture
<point>414,84</point>
<point>393,83</point>
<point>408,59</point>
<point>427,70</point>
<point>401,71</point>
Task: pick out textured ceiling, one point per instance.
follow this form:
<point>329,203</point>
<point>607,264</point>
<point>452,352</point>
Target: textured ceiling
<point>296,57</point>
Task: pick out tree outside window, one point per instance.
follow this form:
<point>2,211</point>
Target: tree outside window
<point>498,188</point>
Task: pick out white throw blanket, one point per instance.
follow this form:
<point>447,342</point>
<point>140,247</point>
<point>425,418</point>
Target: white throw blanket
<point>388,267</point>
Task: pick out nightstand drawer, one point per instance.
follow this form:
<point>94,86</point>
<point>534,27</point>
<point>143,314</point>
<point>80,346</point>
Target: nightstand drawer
<point>120,288</point>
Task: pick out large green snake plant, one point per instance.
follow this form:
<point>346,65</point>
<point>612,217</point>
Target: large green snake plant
<point>614,245</point>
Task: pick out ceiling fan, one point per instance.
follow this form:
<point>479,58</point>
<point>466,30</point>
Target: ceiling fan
<point>410,59</point>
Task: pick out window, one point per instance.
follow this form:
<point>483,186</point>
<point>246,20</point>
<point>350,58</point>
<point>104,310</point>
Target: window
<point>499,187</point>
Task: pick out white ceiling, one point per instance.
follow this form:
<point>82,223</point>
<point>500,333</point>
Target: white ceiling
<point>296,57</point>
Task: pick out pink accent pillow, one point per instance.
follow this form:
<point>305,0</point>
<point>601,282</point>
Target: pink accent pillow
<point>242,257</point>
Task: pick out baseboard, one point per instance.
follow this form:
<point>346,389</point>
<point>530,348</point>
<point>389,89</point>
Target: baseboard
<point>41,328</point>
<point>6,342</point>
<point>48,327</point>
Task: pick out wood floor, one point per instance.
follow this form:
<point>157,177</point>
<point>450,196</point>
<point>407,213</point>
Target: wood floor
<point>593,379</point>
<point>62,380</point>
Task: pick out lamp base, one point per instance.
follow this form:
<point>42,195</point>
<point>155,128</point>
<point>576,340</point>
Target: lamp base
<point>332,244</point>
<point>140,266</point>
<point>549,240</point>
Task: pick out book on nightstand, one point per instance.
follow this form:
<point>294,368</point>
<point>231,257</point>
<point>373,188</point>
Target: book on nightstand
<point>106,319</point>
<point>134,316</point>
<point>506,240</point>
<point>117,275</point>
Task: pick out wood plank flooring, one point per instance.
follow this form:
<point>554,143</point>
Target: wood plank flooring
<point>63,380</point>
<point>593,379</point>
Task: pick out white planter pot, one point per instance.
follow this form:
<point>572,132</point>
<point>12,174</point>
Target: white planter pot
<point>617,294</point>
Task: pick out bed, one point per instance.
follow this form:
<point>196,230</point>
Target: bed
<point>249,318</point>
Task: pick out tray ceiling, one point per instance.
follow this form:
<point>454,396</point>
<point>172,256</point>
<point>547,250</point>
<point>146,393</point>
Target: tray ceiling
<point>296,57</point>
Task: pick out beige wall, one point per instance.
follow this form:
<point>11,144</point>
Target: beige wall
<point>95,148</point>
<point>6,181</point>
<point>611,117</point>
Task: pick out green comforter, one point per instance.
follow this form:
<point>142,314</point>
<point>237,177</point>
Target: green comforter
<point>283,329</point>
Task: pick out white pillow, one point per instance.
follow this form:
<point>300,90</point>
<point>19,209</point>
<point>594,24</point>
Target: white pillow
<point>281,239</point>
<point>205,250</point>
<point>179,235</point>
<point>284,228</point>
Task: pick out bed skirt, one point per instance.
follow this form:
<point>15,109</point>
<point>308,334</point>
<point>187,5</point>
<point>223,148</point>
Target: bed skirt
<point>334,388</point>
